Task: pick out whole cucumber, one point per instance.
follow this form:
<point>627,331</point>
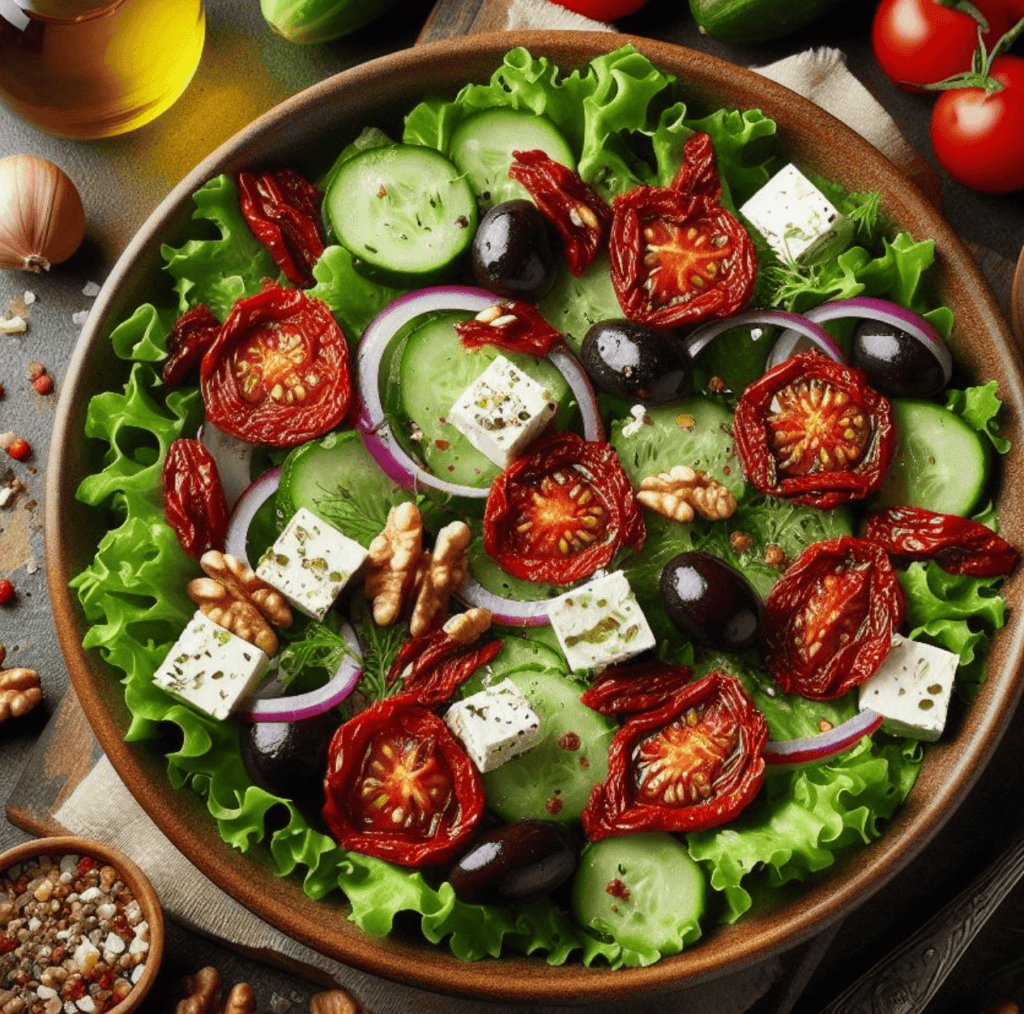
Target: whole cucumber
<point>753,21</point>
<point>313,21</point>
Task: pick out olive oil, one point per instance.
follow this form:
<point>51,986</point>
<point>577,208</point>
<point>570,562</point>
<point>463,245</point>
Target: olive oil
<point>84,69</point>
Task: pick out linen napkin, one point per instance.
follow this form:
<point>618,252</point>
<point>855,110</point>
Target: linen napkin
<point>196,902</point>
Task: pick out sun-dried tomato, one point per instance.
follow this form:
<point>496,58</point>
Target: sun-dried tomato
<point>639,686</point>
<point>694,763</point>
<point>194,503</point>
<point>562,511</point>
<point>400,786</point>
<point>187,341</point>
<point>283,211</point>
<point>579,213</point>
<point>433,665</point>
<point>812,430</point>
<point>514,325</point>
<point>278,373</point>
<point>828,622</point>
<point>958,545</point>
<point>677,256</point>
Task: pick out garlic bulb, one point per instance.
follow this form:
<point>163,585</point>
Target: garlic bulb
<point>42,221</point>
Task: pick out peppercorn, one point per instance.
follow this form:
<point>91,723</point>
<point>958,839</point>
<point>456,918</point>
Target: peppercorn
<point>7,592</point>
<point>19,449</point>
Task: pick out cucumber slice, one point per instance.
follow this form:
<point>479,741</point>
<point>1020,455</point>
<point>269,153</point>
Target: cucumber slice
<point>338,480</point>
<point>403,212</point>
<point>482,147</point>
<point>694,431</point>
<point>552,780</point>
<point>659,905</point>
<point>940,462</point>
<point>434,369</point>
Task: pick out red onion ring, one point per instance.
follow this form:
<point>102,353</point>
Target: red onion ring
<point>254,497</point>
<point>871,308</point>
<point>233,457</point>
<point>697,339</point>
<point>815,748</point>
<point>315,702</point>
<point>511,612</point>
<point>372,422</point>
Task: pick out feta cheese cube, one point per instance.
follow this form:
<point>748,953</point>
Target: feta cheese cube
<point>494,725</point>
<point>911,688</point>
<point>502,411</point>
<point>796,218</point>
<point>310,563</point>
<point>600,623</point>
<point>211,668</point>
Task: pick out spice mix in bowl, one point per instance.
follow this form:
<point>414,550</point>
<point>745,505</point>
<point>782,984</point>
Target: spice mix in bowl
<point>81,928</point>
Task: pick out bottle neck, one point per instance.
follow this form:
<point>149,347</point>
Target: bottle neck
<point>67,10</point>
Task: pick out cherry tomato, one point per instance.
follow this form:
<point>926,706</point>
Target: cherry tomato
<point>828,621</point>
<point>189,338</point>
<point>283,211</point>
<point>640,686</point>
<point>923,41</point>
<point>958,545</point>
<point>433,665</point>
<point>277,374</point>
<point>562,511</point>
<point>514,325</point>
<point>977,137</point>
<point>811,430</point>
<point>677,256</point>
<point>579,213</point>
<point>400,787</point>
<point>194,503</point>
<point>693,763</point>
<point>602,10</point>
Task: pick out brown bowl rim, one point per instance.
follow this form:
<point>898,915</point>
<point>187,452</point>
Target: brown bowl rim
<point>136,879</point>
<point>818,137</point>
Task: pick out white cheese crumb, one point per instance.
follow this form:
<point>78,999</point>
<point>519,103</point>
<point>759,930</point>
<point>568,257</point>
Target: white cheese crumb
<point>13,325</point>
<point>90,289</point>
<point>80,317</point>
<point>640,416</point>
<point>29,297</point>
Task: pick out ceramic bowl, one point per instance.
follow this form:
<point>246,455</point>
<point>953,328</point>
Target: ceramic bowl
<point>373,93</point>
<point>129,873</point>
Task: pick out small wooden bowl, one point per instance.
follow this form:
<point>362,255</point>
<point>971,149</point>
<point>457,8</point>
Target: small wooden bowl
<point>133,877</point>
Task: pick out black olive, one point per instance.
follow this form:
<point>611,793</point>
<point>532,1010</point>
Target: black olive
<point>514,252</point>
<point>515,863</point>
<point>635,361</point>
<point>289,759</point>
<point>711,602</point>
<point>895,363</point>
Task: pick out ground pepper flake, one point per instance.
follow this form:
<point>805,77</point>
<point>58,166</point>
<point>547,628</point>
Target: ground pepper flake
<point>73,937</point>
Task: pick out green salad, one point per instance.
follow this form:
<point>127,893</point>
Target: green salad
<point>623,124</point>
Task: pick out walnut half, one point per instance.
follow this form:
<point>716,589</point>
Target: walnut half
<point>204,997</point>
<point>236,599</point>
<point>19,692</point>
<point>684,492</point>
<point>335,1001</point>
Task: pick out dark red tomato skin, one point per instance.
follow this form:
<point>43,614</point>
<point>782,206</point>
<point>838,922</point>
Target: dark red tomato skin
<point>602,10</point>
<point>977,138</point>
<point>922,41</point>
<point>856,620</point>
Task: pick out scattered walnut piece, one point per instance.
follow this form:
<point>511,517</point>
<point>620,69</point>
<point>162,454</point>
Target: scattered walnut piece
<point>392,561</point>
<point>468,626</point>
<point>684,492</point>
<point>19,692</point>
<point>234,597</point>
<point>439,574</point>
<point>740,541</point>
<point>204,997</point>
<point>774,555</point>
<point>335,1001</point>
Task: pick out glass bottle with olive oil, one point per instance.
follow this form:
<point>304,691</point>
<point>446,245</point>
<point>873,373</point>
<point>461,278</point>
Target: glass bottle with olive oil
<point>89,69</point>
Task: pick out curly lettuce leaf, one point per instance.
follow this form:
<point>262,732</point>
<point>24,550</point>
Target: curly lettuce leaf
<point>223,260</point>
<point>804,820</point>
<point>980,407</point>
